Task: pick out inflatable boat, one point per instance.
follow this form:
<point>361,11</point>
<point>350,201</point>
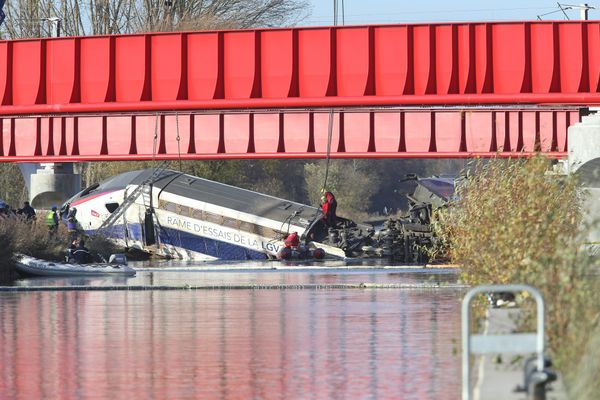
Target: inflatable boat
<point>30,266</point>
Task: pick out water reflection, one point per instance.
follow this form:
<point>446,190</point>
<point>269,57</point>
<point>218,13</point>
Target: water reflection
<point>318,344</point>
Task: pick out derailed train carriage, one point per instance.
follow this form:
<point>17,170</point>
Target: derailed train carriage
<point>174,215</point>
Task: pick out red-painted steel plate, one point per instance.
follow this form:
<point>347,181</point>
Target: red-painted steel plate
<point>573,78</point>
<point>237,129</point>
<point>393,61</point>
<point>96,69</point>
<point>177,133</point>
<point>27,136</point>
<point>326,132</point>
<point>448,131</point>
<point>117,142</point>
<point>5,73</point>
<point>446,59</point>
<point>550,62</point>
<point>27,72</point>
<point>91,135</point>
<point>418,131</point>
<point>367,133</point>
<point>354,62</point>
<point>208,132</point>
<point>479,132</point>
<point>132,68</point>
<point>297,132</point>
<point>241,64</point>
<point>279,77</point>
<point>424,59</point>
<point>316,62</point>
<point>358,128</point>
<point>267,131</point>
<point>168,75</point>
<point>388,132</point>
<point>147,127</point>
<point>62,71</point>
<point>204,64</point>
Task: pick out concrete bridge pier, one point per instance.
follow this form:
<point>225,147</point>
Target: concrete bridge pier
<point>50,183</point>
<point>584,160</point>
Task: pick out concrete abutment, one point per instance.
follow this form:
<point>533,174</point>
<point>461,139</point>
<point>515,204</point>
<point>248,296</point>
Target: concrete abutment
<point>584,160</point>
<point>50,183</point>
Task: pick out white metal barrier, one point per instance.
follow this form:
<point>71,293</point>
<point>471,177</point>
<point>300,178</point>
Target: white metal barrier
<point>510,343</point>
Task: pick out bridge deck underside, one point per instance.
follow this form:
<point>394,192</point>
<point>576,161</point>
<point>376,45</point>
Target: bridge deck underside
<point>368,133</point>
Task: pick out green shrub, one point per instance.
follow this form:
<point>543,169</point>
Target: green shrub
<point>7,245</point>
<point>514,223</point>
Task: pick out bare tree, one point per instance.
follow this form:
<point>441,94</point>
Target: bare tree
<point>36,18</point>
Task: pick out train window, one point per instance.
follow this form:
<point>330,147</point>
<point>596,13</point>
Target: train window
<point>168,206</point>
<point>89,189</point>
<point>111,207</point>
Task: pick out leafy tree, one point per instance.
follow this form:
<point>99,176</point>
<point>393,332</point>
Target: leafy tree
<point>12,185</point>
<point>351,181</point>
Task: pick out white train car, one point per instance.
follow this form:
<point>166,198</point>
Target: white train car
<point>182,216</point>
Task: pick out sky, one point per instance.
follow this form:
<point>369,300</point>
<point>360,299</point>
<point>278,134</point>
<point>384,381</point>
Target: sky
<point>401,11</point>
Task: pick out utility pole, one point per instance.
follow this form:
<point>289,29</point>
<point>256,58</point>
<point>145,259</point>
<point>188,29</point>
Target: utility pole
<point>335,12</point>
<point>583,11</point>
<point>56,25</point>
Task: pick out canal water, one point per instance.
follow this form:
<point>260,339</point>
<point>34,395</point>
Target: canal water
<point>285,343</point>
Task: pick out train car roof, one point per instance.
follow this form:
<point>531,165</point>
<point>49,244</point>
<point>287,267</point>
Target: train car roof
<point>235,198</point>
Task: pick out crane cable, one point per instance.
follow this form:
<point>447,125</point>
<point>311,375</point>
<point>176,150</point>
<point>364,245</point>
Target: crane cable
<point>155,142</point>
<point>178,138</point>
<point>179,157</point>
<point>330,132</point>
<point>328,157</point>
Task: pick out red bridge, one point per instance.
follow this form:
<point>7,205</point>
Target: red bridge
<point>436,90</point>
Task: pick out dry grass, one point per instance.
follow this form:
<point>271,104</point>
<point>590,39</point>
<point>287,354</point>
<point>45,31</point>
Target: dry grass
<point>514,224</point>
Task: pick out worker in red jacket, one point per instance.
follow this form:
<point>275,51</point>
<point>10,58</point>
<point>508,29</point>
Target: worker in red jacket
<point>329,207</point>
<point>292,241</point>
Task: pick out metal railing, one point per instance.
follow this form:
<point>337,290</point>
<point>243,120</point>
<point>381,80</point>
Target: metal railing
<point>507,343</point>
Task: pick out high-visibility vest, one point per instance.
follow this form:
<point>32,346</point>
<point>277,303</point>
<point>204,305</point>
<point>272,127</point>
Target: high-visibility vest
<point>50,219</point>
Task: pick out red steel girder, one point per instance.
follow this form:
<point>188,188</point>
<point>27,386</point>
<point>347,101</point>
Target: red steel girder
<point>530,62</point>
<point>364,133</point>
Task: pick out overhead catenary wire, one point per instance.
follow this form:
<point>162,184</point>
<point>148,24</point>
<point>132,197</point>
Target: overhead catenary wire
<point>386,16</point>
<point>430,11</point>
